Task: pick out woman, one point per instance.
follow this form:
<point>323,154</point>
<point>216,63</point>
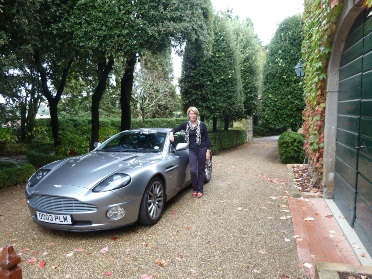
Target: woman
<point>199,148</point>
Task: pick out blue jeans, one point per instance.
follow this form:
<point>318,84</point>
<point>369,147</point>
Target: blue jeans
<point>197,157</point>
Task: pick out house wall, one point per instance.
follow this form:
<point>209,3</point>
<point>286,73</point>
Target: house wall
<point>351,10</point>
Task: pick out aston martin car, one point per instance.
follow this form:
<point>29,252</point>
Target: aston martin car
<point>126,179</point>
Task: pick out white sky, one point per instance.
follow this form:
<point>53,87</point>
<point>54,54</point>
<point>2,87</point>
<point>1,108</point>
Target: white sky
<point>265,15</point>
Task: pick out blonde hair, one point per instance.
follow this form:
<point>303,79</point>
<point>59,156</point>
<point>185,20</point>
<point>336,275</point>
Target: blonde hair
<point>194,110</point>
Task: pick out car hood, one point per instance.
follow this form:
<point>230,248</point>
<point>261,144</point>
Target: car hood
<point>86,171</point>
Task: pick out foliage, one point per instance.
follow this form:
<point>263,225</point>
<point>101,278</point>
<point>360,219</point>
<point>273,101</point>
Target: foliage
<point>264,131</point>
<point>282,98</point>
<point>291,148</point>
<point>224,140</point>
<point>13,149</point>
<point>154,94</point>
<point>319,25</point>
<point>249,49</point>
<point>42,156</point>
<point>7,135</point>
<point>12,174</point>
<point>213,84</point>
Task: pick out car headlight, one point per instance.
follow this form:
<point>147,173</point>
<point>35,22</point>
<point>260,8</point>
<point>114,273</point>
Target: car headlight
<point>115,181</point>
<point>36,177</point>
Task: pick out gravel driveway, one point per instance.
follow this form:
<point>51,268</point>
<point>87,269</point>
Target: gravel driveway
<point>240,228</point>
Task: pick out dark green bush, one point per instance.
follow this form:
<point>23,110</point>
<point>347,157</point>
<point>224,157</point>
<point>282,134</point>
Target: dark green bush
<point>43,155</point>
<point>264,131</point>
<point>291,148</point>
<point>12,174</point>
<point>223,140</point>
<point>14,149</point>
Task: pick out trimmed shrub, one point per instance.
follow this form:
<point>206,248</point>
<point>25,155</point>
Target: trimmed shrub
<point>42,155</point>
<point>223,140</point>
<point>291,148</point>
<point>12,174</point>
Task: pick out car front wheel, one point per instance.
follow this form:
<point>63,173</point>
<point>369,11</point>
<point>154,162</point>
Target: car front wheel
<point>152,204</point>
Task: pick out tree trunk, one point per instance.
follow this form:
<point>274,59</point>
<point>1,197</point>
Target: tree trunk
<point>226,123</point>
<point>53,109</point>
<point>104,69</point>
<point>52,100</point>
<point>214,124</point>
<point>126,93</point>
<point>23,121</point>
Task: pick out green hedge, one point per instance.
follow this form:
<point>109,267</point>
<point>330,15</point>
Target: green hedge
<point>12,174</point>
<point>43,155</point>
<point>291,148</point>
<point>223,140</point>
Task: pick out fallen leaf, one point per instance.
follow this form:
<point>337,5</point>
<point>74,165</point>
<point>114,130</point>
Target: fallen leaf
<point>25,250</point>
<point>145,276</point>
<point>255,270</point>
<point>70,254</point>
<point>104,250</point>
<point>107,273</point>
<point>45,253</point>
<point>287,239</point>
<point>114,238</point>
<point>363,255</point>
<point>329,216</point>
<point>32,260</point>
<point>284,276</point>
<point>55,266</point>
<point>308,265</point>
<point>160,262</point>
<point>174,213</point>
<point>42,264</point>
<point>78,249</point>
<point>240,208</point>
<point>309,219</point>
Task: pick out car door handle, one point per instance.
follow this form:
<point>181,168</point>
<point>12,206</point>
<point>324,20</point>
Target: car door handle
<point>170,168</point>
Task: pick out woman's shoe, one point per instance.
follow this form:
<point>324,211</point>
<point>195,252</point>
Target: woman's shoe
<point>199,195</point>
<point>194,194</point>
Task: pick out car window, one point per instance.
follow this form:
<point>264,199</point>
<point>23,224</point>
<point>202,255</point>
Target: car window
<point>135,141</point>
<point>179,137</point>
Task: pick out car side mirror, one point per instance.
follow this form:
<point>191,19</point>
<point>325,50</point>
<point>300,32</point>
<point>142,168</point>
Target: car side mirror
<point>182,146</point>
<point>96,144</point>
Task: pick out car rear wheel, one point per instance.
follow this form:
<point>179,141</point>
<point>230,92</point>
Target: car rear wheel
<point>208,170</point>
<point>152,204</point>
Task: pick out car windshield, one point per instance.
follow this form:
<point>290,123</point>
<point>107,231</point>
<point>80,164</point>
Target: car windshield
<point>135,141</point>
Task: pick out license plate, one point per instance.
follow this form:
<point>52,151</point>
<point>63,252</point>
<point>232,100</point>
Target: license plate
<point>53,218</point>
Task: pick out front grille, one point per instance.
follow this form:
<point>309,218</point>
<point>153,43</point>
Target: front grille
<point>60,204</point>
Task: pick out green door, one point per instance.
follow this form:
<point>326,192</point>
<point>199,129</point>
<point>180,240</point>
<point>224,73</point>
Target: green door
<point>353,176</point>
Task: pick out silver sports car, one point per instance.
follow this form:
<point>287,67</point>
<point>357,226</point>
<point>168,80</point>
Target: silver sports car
<point>126,179</point>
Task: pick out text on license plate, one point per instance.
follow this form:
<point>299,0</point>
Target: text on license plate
<point>53,218</point>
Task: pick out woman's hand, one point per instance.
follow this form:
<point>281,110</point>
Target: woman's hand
<point>171,137</point>
<point>208,155</point>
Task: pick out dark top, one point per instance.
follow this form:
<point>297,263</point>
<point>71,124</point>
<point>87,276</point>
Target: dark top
<point>205,141</point>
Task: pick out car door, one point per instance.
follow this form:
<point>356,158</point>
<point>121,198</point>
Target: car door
<point>177,166</point>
